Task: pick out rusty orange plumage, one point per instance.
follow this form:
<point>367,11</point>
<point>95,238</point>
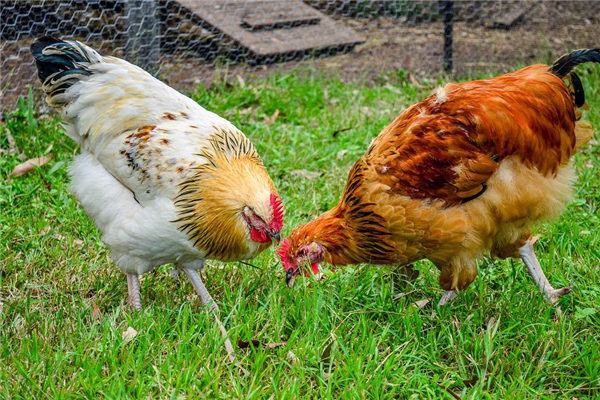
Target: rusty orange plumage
<point>466,172</point>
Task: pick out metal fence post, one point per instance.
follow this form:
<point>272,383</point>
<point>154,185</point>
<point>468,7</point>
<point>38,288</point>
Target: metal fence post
<point>448,18</point>
<point>143,41</point>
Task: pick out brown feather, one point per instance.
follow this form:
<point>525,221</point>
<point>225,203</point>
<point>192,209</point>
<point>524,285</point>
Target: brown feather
<point>465,172</point>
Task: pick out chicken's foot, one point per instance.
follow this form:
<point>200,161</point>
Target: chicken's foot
<point>133,290</point>
<point>208,301</point>
<point>529,258</point>
<point>447,297</point>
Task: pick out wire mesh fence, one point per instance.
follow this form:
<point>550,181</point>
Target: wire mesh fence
<point>186,42</point>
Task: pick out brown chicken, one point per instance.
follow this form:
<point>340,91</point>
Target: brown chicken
<point>464,173</point>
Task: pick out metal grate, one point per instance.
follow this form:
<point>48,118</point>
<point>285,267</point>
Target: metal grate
<point>191,41</point>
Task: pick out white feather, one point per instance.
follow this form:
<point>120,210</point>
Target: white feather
<point>119,96</point>
<point>139,237</point>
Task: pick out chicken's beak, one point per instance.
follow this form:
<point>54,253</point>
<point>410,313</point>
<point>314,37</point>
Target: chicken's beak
<point>290,277</point>
<point>275,235</point>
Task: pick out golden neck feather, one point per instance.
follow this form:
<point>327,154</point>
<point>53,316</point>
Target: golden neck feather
<point>210,203</point>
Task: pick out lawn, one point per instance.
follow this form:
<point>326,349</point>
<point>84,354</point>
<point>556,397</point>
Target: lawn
<point>356,334</point>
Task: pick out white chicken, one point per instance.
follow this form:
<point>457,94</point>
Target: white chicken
<point>165,180</point>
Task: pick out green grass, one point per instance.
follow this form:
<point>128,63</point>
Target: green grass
<point>63,308</point>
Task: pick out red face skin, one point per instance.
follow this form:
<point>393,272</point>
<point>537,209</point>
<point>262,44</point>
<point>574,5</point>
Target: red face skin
<point>310,254</point>
<point>261,232</point>
<point>260,236</point>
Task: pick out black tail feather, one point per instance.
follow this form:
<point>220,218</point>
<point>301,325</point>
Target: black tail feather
<point>61,64</point>
<point>54,55</point>
<point>578,93</point>
<point>566,63</point>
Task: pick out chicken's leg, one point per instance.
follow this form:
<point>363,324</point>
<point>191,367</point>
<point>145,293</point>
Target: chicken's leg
<point>528,256</point>
<point>200,289</point>
<point>447,297</point>
<point>207,300</point>
<point>133,289</point>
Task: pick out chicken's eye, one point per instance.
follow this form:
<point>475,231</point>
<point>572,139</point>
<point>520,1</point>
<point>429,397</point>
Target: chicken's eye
<point>253,219</point>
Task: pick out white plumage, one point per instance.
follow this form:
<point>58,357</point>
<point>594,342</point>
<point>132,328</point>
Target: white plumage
<point>157,173</point>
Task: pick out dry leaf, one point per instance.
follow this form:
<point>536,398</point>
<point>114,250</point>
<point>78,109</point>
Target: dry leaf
<point>265,86</point>
<point>326,355</point>
<point>12,145</point>
<point>242,344</point>
<point>392,89</point>
<point>241,81</point>
<point>272,118</point>
<point>450,391</point>
<point>320,276</point>
<point>413,80</point>
<point>337,132</point>
<point>246,111</point>
<point>129,334</point>
<point>402,294</point>
<point>95,312</point>
<point>304,173</point>
<point>421,303</point>
<point>58,236</point>
<point>341,154</point>
<point>470,382</point>
<point>457,324</point>
<point>28,165</point>
<point>78,243</point>
<point>292,358</point>
<point>44,231</point>
<point>274,345</point>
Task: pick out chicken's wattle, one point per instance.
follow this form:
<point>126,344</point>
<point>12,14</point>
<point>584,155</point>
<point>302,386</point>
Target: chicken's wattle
<point>259,236</point>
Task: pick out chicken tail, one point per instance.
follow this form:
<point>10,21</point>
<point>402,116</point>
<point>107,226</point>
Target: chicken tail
<point>60,64</point>
<point>566,63</point>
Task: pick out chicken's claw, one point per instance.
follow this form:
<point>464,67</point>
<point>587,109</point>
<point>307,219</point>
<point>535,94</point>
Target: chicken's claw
<point>555,294</point>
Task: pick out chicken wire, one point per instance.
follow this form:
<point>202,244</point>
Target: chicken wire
<point>175,41</point>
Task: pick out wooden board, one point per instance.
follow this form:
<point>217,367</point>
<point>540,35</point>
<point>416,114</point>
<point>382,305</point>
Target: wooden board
<point>279,19</point>
<point>268,28</point>
<point>508,19</point>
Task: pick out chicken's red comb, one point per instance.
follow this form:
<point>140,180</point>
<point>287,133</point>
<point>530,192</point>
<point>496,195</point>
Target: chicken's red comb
<point>278,211</point>
<point>282,252</point>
